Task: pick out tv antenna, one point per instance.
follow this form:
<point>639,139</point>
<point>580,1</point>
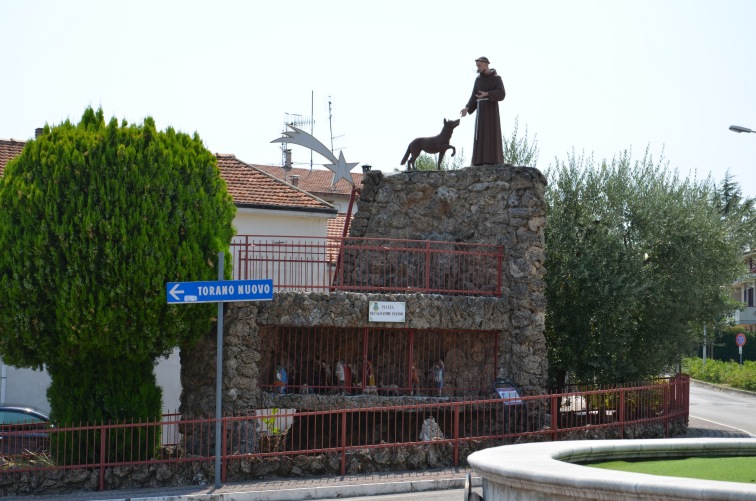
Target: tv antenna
<point>301,122</point>
<point>330,124</point>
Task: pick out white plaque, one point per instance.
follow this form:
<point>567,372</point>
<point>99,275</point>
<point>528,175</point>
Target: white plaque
<point>386,311</point>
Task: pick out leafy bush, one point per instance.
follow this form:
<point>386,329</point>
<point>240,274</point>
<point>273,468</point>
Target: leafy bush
<point>728,373</point>
<point>92,389</point>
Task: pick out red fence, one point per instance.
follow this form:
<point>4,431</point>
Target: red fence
<point>369,264</point>
<point>460,426</point>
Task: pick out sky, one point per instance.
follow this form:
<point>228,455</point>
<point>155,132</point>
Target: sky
<point>594,77</point>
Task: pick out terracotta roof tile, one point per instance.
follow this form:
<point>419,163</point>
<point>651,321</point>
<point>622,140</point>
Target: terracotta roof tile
<point>9,148</point>
<point>335,233</point>
<point>336,226</point>
<point>248,185</point>
<point>316,181</point>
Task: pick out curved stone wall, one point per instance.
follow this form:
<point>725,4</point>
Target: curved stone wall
<point>548,470</point>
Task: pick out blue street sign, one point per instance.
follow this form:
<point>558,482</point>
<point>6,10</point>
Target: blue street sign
<point>219,291</point>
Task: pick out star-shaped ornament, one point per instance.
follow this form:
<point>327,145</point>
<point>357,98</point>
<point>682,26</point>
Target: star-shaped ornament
<point>340,167</point>
<point>341,170</point>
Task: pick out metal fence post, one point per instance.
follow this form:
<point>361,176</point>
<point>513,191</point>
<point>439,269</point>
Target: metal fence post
<point>667,395</point>
<point>427,266</point>
<point>554,417</point>
<point>343,441</point>
<point>364,359</point>
<point>224,449</point>
<point>103,459</point>
<point>456,434</point>
<point>621,412</point>
<point>410,360</point>
<point>498,274</point>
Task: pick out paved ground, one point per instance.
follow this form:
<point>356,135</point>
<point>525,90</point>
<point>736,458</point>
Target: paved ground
<point>288,488</point>
<point>335,487</point>
<point>701,428</point>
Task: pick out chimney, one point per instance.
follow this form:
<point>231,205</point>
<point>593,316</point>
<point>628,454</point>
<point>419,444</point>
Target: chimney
<point>295,180</point>
<point>287,162</point>
<point>38,132</point>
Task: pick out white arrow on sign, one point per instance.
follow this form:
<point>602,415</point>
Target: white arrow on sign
<point>173,292</point>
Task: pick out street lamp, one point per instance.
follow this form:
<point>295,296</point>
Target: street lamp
<point>738,128</point>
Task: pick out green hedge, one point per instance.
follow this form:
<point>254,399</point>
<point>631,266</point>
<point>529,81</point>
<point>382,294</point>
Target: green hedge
<point>716,371</point>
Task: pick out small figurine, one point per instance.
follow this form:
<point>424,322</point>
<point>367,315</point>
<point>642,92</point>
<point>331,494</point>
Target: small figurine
<point>325,377</point>
<point>415,386</point>
<point>347,379</point>
<point>370,388</point>
<point>281,380</point>
<point>340,375</point>
<point>438,376</point>
<point>370,374</point>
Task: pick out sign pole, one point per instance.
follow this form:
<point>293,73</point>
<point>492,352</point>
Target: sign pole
<point>219,379</point>
<point>740,340</point>
<point>219,292</point>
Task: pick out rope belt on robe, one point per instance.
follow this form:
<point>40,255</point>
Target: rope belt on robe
<point>477,115</point>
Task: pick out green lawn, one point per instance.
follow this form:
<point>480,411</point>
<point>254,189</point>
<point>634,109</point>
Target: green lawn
<point>729,469</point>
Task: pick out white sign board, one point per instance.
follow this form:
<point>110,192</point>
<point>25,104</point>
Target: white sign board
<point>510,394</point>
<point>386,311</point>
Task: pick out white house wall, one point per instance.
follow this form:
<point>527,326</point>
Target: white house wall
<point>271,222</point>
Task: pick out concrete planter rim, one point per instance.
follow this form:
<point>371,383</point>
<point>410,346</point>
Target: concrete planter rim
<point>551,468</point>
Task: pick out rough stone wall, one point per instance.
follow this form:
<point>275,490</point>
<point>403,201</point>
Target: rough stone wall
<point>494,204</point>
<point>499,205</point>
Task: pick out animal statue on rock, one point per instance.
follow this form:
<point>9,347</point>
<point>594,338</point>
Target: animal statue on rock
<point>436,144</point>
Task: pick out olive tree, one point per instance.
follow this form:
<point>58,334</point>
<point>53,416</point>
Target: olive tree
<point>95,219</point>
<point>518,148</point>
<point>636,260</point>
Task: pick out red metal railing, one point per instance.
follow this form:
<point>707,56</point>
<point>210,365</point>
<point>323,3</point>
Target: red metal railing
<point>459,426</point>
<point>369,264</point>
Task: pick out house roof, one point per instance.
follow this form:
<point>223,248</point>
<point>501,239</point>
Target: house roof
<point>336,226</point>
<point>317,181</point>
<point>251,187</point>
<point>9,148</point>
<point>248,185</point>
<point>335,234</point>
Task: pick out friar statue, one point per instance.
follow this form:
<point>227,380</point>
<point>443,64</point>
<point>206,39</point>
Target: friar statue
<point>487,92</point>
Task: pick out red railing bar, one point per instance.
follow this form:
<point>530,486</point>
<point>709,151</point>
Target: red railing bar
<point>103,461</point>
<point>278,238</point>
<point>343,442</point>
<point>456,435</point>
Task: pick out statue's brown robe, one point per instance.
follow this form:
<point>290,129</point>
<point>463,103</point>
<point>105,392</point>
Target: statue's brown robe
<point>487,148</point>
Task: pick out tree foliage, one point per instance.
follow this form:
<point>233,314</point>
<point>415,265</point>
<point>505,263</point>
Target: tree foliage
<point>635,257</point>
<point>430,162</point>
<point>520,150</point>
<point>737,213</point>
<point>95,219</point>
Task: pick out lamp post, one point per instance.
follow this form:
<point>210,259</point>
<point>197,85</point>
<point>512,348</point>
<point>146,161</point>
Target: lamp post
<point>738,128</point>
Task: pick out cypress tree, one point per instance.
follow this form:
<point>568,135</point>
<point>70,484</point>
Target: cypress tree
<point>95,219</point>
